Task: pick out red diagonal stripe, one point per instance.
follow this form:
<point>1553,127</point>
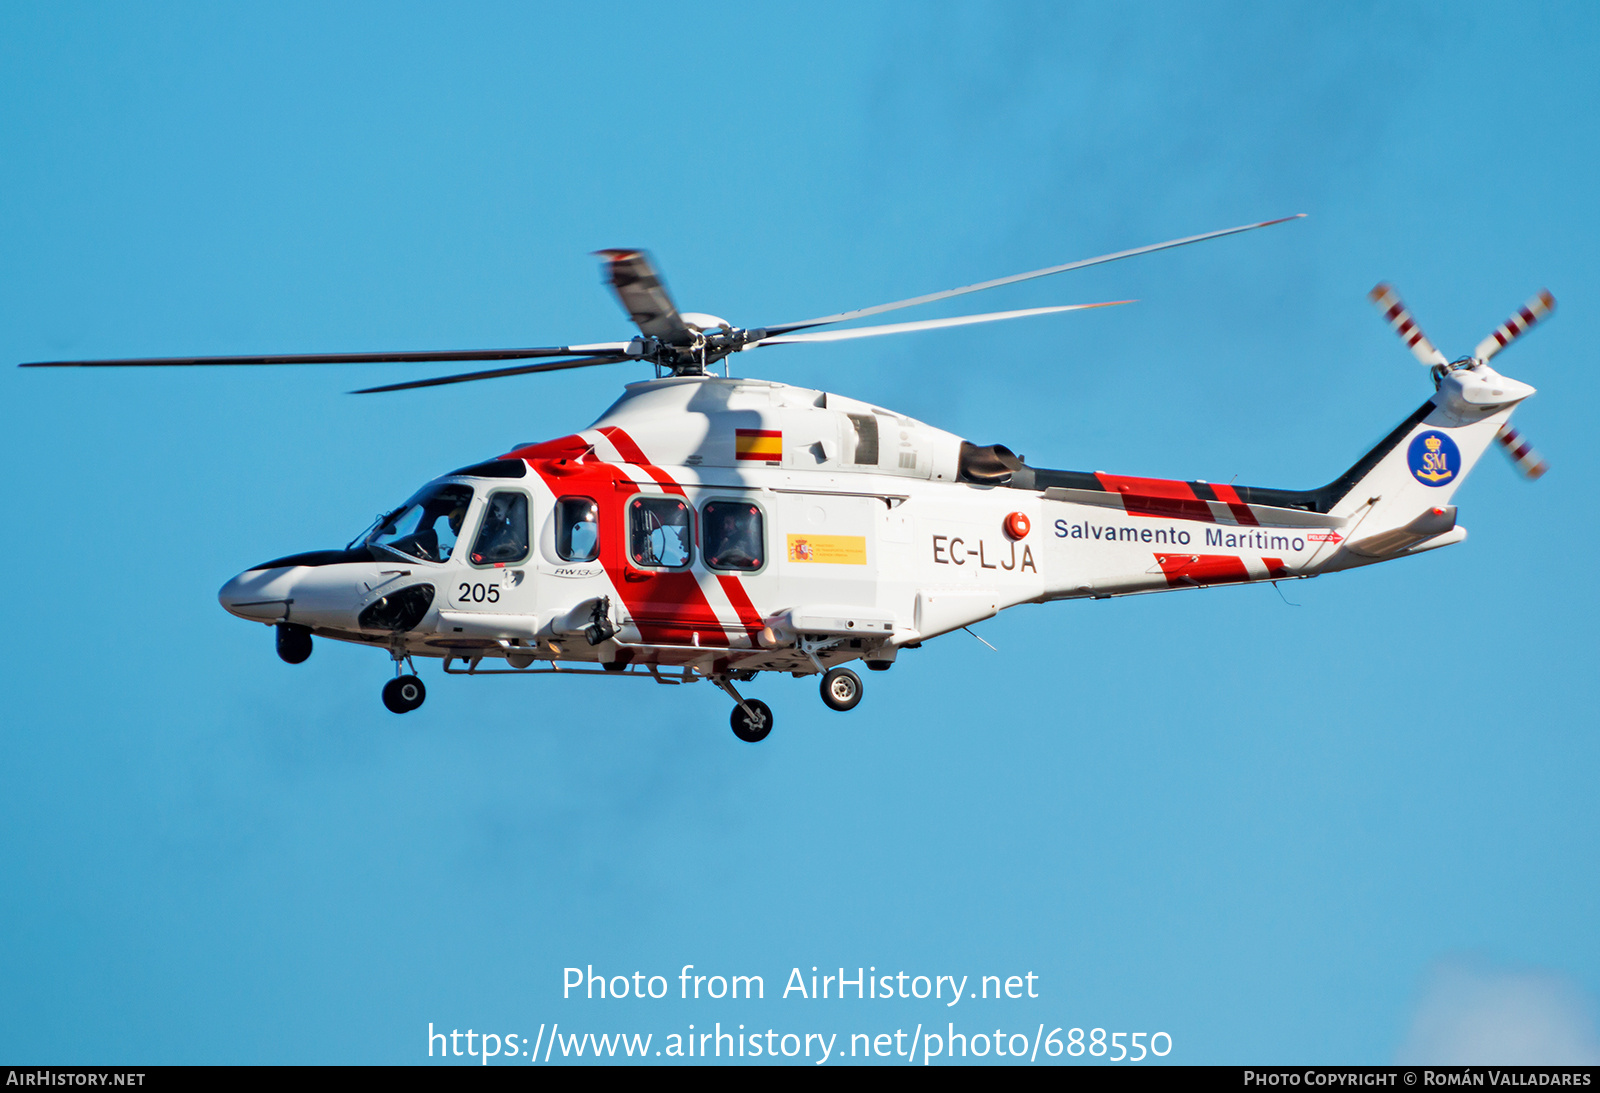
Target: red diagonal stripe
<point>669,607</point>
<point>734,588</point>
<point>1193,569</point>
<point>566,447</point>
<point>1157,497</point>
<point>632,453</point>
<point>1241,511</point>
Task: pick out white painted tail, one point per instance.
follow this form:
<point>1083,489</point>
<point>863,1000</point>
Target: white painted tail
<point>1402,505</point>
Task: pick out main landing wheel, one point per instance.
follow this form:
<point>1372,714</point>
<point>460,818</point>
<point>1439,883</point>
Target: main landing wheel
<point>752,730</point>
<point>841,689</point>
<point>402,694</point>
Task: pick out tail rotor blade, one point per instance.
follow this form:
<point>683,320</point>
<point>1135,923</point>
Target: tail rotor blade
<point>1516,326</point>
<point>1399,317</point>
<point>1527,461</point>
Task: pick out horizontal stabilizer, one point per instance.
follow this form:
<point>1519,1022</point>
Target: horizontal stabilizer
<point>1219,512</point>
<point>1432,523</point>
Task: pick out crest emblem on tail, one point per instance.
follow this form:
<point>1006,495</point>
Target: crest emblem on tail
<point>1434,458</point>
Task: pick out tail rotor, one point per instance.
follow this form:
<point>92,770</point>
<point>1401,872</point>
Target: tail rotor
<point>1516,326</point>
<point>1528,462</point>
<point>1388,301</point>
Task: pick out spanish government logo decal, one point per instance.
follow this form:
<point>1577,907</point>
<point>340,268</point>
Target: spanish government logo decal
<point>1434,459</point>
<point>828,549</point>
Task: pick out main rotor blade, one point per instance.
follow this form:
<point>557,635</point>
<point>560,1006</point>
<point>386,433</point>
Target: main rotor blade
<point>1387,300</point>
<point>861,313</point>
<point>1516,326</point>
<point>494,373</point>
<point>342,358</point>
<point>644,297</point>
<point>927,324</point>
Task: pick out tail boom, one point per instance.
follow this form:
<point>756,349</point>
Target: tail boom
<point>1117,535</point>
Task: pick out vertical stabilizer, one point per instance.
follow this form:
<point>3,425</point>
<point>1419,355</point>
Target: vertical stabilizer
<point>1402,502</point>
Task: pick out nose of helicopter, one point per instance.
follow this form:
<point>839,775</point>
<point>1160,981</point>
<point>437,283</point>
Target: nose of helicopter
<point>320,588</point>
<point>260,595</point>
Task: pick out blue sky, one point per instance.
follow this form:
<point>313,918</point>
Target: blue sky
<point>1261,828</point>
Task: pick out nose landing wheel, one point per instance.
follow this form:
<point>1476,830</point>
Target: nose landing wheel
<point>402,694</point>
<point>753,726</point>
<point>841,689</point>
<point>752,718</point>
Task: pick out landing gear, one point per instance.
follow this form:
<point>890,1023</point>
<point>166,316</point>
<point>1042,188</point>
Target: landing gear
<point>752,718</point>
<point>402,694</point>
<point>841,689</point>
<point>752,721</point>
<point>294,643</point>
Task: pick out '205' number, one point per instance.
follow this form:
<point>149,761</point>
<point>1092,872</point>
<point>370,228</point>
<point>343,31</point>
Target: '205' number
<point>478,593</point>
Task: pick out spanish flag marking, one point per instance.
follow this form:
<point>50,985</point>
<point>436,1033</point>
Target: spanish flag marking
<point>765,445</point>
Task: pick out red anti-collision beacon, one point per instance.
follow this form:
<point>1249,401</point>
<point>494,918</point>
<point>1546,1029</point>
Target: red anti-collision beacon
<point>1017,526</point>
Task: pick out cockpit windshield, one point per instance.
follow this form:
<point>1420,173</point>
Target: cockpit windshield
<point>427,526</point>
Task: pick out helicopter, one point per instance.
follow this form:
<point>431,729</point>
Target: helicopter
<point>707,527</point>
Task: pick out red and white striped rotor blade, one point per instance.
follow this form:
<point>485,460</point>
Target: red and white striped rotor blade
<point>1399,317</point>
<point>1516,326</point>
<point>1528,461</point>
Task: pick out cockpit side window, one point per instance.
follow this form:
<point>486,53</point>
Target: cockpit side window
<point>660,532</point>
<point>577,529</point>
<point>732,533</point>
<point>503,536</point>
<point>427,526</point>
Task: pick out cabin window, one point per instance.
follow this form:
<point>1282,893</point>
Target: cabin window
<point>577,529</point>
<point>503,537</point>
<point>660,532</point>
<point>733,535</point>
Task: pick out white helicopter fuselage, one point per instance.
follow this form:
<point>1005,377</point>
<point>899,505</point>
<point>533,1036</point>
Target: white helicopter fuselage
<point>709,528</point>
<point>859,532</point>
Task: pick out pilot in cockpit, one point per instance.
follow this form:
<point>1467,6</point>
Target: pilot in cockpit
<point>733,537</point>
